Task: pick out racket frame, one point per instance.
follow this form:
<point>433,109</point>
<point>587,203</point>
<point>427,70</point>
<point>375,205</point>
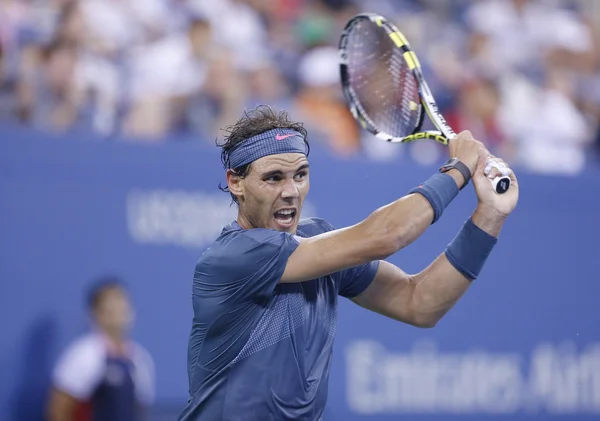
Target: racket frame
<point>444,133</point>
<point>428,104</point>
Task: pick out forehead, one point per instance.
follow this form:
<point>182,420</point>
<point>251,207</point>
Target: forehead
<point>280,162</point>
<point>111,293</point>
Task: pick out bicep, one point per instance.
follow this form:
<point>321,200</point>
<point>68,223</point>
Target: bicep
<point>390,294</point>
<point>80,369</point>
<point>329,252</point>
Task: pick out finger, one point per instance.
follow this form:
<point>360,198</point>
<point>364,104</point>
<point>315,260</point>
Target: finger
<point>478,174</point>
<point>504,170</point>
<point>503,167</point>
<point>496,161</point>
<point>514,184</point>
<point>513,178</point>
<point>483,156</point>
<point>495,172</point>
<point>498,164</point>
<point>466,134</point>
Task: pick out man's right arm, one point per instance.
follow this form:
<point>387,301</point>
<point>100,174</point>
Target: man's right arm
<point>383,233</point>
<point>76,376</point>
<point>61,406</point>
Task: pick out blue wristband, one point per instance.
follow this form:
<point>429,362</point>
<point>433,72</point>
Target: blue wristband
<point>470,249</point>
<point>439,190</point>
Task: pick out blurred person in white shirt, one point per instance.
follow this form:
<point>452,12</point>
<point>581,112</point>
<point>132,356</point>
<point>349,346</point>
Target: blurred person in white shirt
<point>163,74</point>
<point>535,49</point>
<point>522,32</point>
<point>549,131</point>
<point>238,28</point>
<point>104,375</point>
<point>183,81</point>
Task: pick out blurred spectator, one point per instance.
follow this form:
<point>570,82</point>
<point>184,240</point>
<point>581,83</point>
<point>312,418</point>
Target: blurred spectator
<point>163,75</point>
<point>548,131</point>
<point>521,74</point>
<point>267,85</point>
<point>319,103</point>
<point>523,32</point>
<point>239,29</point>
<point>476,110</point>
<point>104,376</point>
<point>535,50</point>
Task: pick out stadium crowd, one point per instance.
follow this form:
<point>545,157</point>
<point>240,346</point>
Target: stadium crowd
<point>523,75</point>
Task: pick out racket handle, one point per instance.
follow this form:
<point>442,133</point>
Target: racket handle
<point>501,184</point>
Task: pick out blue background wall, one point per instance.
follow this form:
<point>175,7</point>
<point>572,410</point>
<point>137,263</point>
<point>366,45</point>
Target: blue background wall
<point>524,343</point>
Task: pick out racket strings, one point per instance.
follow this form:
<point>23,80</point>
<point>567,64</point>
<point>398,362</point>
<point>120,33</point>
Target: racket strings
<point>385,87</point>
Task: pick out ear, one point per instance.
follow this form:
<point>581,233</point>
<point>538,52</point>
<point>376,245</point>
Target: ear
<point>235,183</point>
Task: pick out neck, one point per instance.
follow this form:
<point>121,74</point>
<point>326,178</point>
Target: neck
<point>117,336</point>
<point>243,221</point>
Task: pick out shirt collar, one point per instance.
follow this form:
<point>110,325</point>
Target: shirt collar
<point>234,226</point>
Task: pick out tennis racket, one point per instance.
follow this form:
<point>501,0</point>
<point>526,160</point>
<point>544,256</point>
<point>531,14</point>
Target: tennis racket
<point>385,89</point>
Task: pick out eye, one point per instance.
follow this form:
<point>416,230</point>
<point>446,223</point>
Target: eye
<point>273,179</point>
<point>301,175</point>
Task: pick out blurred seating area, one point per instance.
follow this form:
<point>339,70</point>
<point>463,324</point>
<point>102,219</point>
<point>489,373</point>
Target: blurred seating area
<point>522,75</point>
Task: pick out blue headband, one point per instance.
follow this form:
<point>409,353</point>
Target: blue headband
<point>271,142</point>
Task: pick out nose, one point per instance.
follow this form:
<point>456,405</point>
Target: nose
<point>290,190</point>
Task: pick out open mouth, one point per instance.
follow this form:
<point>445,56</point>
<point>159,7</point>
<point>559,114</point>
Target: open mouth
<point>285,217</point>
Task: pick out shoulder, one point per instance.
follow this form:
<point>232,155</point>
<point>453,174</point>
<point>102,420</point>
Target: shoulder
<point>247,248</point>
<point>81,366</point>
<point>89,348</point>
<point>309,227</point>
<point>141,356</point>
<point>231,243</point>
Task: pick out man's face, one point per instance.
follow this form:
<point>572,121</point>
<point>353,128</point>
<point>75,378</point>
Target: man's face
<point>200,37</point>
<point>114,313</point>
<point>272,194</point>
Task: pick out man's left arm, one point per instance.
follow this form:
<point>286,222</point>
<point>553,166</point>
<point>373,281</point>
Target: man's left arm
<point>144,380</point>
<point>424,298</point>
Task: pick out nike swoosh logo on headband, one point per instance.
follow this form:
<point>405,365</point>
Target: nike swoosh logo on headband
<point>284,136</point>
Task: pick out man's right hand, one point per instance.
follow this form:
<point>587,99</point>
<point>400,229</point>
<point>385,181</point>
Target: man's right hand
<point>466,148</point>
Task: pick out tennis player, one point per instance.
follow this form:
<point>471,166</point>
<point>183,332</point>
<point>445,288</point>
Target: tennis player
<point>265,292</point>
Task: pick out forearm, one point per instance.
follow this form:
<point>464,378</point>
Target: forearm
<point>61,406</point>
<point>398,224</point>
<point>488,220</point>
<point>442,284</point>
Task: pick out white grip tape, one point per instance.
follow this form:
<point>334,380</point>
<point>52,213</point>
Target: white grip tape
<point>505,171</point>
<point>499,165</point>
